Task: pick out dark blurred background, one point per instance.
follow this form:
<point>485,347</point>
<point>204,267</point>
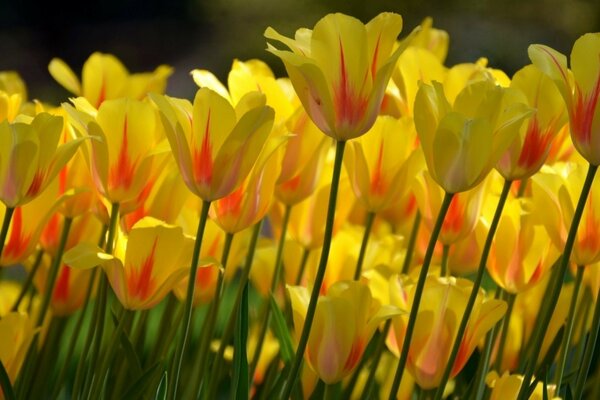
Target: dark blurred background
<point>191,34</point>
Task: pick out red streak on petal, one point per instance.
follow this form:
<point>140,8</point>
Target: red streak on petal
<point>205,276</point>
<point>62,180</point>
<point>49,237</point>
<point>350,108</point>
<point>131,218</point>
<point>590,238</point>
<point>374,59</point>
<point>36,184</point>
<point>140,282</point>
<point>17,242</point>
<point>454,219</point>
<point>121,174</point>
<point>102,95</point>
<point>292,184</point>
<point>214,246</point>
<point>411,206</point>
<point>535,145</point>
<point>61,290</point>
<point>232,203</point>
<point>582,114</point>
<point>378,186</point>
<point>203,165</point>
<point>354,356</point>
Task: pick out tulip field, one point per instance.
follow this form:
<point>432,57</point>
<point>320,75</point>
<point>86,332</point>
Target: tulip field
<point>375,224</point>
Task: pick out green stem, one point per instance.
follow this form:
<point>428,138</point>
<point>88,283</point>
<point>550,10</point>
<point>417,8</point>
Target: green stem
<point>7,389</point>
<point>36,265</point>
<point>274,284</point>
<point>582,318</point>
<point>370,384</point>
<point>363,247</point>
<point>484,361</point>
<point>303,262</point>
<point>209,328</point>
<point>589,350</point>
<point>553,299</point>
<point>5,225</point>
<point>53,273</point>
<point>510,301</point>
<point>562,361</point>
<point>412,319</point>
<point>241,378</point>
<point>102,299</point>
<point>187,313</point>
<point>444,266</point>
<point>74,336</point>
<point>475,290</point>
<point>239,297</point>
<point>312,305</point>
<point>412,241</point>
<point>109,355</point>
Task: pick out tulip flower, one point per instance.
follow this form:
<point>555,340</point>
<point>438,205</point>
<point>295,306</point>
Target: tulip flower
<point>145,266</point>
<point>249,203</point>
<point>522,252</point>
<point>555,193</point>
<point>443,304</point>
<point>104,77</point>
<point>340,69</point>
<point>345,321</point>
<point>31,157</point>
<point>215,145</point>
<point>463,214</point>
<point>376,162</point>
<point>12,83</point>
<point>431,39</point>
<point>464,140</point>
<point>507,386</point>
<point>528,152</point>
<point>16,334</point>
<point>579,87</point>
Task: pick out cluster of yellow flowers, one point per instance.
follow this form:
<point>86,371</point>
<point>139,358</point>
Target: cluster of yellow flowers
<point>389,184</point>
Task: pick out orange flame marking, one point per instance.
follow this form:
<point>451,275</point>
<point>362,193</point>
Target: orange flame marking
<point>17,243</point>
<point>203,168</point>
<point>140,282</point>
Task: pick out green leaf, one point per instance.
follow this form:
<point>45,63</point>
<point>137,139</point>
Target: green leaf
<point>161,392</point>
<point>7,388</point>
<point>240,358</point>
<point>281,331</point>
<point>132,359</point>
<point>144,382</point>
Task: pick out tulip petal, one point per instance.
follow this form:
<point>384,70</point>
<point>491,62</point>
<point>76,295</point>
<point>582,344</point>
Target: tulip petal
<point>64,75</point>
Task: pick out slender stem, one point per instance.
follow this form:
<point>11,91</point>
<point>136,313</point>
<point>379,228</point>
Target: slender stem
<point>74,336</point>
<point>363,247</point>
<point>7,389</point>
<point>241,378</point>
<point>102,298</point>
<point>412,319</point>
<point>303,262</point>
<point>187,313</point>
<point>444,267</point>
<point>36,265</point>
<point>475,290</point>
<point>165,325</point>
<point>231,323</point>
<point>553,299</point>
<point>370,384</point>
<point>510,301</point>
<point>484,361</point>
<point>5,225</point>
<point>562,361</point>
<point>412,241</point>
<point>53,273</point>
<point>312,305</point>
<point>582,319</point>
<point>589,350</point>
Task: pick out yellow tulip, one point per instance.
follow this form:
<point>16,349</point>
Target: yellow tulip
<point>431,39</point>
<point>579,87</point>
<point>507,386</point>
<point>376,162</point>
<point>124,145</point>
<point>215,145</point>
<point>104,77</point>
<point>464,255</point>
<point>145,266</point>
<point>12,83</point>
<point>463,214</point>
<point>443,303</point>
<point>522,252</point>
<point>249,203</point>
<point>462,141</point>
<point>555,194</point>
<point>528,152</point>
<point>31,157</point>
<point>345,320</point>
<point>16,334</point>
<point>341,68</point>
<point>416,65</point>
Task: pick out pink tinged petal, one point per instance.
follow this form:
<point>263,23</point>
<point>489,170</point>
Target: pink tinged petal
<point>378,186</point>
